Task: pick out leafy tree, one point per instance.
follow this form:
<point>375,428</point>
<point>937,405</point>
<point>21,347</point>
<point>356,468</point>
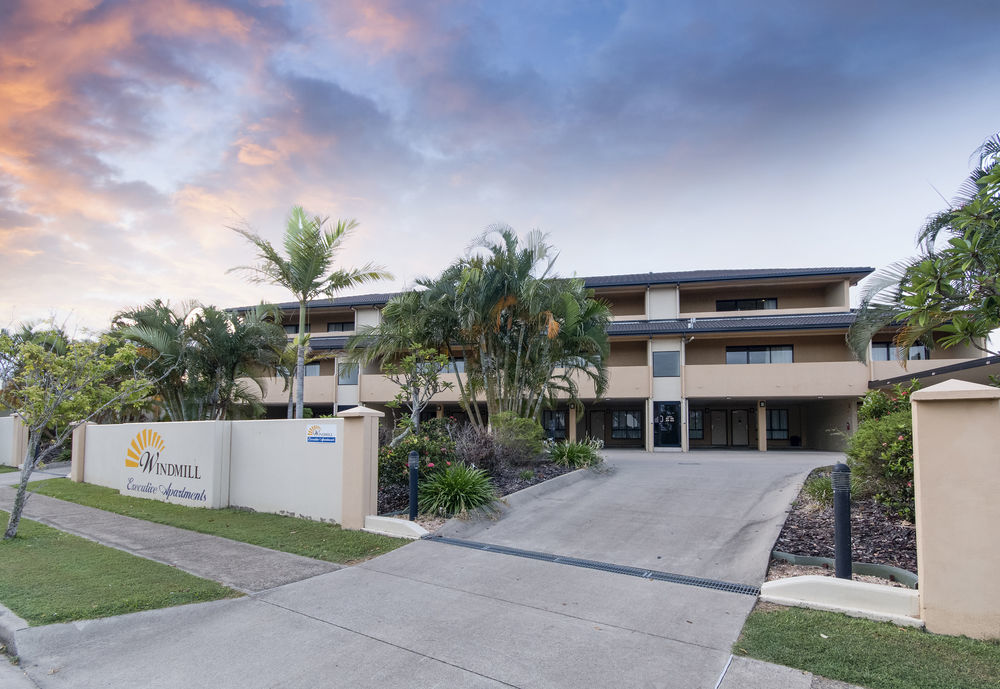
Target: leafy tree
<point>54,388</point>
<point>952,288</point>
<point>305,270</point>
<point>524,335</point>
<point>418,375</point>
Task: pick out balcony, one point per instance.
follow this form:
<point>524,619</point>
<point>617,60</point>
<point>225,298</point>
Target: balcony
<point>317,390</point>
<point>759,381</point>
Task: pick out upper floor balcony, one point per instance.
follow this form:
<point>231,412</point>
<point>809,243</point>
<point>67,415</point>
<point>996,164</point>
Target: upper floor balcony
<point>758,381</point>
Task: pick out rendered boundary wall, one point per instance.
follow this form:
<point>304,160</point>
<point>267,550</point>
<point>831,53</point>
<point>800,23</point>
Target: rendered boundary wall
<point>13,440</point>
<point>956,448</point>
<point>321,469</point>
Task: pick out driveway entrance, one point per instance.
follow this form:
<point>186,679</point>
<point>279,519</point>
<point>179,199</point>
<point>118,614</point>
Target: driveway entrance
<point>431,614</point>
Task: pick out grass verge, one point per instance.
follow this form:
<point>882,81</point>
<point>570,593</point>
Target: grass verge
<point>4,469</point>
<point>878,655</point>
<point>289,534</point>
<point>52,576</point>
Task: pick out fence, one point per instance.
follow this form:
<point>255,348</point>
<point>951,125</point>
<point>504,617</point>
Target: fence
<point>323,469</point>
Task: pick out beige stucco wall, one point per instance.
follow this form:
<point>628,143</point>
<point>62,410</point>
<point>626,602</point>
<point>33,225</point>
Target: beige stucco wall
<point>367,316</point>
<point>826,424</point>
<point>625,304</point>
<point>788,296</point>
<point>628,353</point>
<point>200,447</point>
<point>13,440</point>
<point>956,442</point>
<point>275,469</point>
<point>662,302</point>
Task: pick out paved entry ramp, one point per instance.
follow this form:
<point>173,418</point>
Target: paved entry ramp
<point>712,514</point>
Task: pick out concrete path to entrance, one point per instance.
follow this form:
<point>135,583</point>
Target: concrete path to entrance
<point>436,615</point>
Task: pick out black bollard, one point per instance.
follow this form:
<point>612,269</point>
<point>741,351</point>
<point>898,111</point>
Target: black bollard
<point>841,479</point>
<point>413,461</point>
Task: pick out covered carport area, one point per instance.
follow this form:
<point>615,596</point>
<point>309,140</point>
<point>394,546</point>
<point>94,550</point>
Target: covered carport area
<point>806,423</point>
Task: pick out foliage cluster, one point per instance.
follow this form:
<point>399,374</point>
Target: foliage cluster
<point>433,443</point>
<point>456,489</point>
<point>949,294</point>
<point>880,453</point>
<point>580,454</point>
<point>518,440</point>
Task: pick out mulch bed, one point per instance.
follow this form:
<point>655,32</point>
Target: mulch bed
<point>507,480</point>
<point>877,537</point>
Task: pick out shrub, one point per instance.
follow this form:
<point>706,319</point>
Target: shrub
<point>433,443</point>
<point>880,455</point>
<point>819,489</point>
<point>518,440</point>
<point>526,475</point>
<point>476,448</point>
<point>456,489</point>
<point>582,454</point>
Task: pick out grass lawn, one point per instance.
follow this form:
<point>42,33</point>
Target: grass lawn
<point>4,469</point>
<point>879,655</point>
<point>290,534</point>
<point>51,576</point>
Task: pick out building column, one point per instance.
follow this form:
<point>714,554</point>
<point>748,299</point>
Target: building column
<point>79,451</point>
<point>762,425</point>
<point>440,411</point>
<point>571,425</point>
<point>359,478</point>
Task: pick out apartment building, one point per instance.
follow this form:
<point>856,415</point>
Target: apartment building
<point>753,359</point>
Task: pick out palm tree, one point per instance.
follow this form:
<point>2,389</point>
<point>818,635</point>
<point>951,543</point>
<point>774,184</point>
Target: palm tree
<point>233,349</point>
<point>305,271</point>
<point>164,339</point>
<point>524,335</point>
<point>951,290</point>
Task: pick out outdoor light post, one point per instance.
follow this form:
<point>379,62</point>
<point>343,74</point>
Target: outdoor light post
<point>841,480</point>
<point>413,462</point>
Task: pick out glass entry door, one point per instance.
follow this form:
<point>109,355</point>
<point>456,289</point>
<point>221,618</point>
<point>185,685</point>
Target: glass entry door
<point>667,424</point>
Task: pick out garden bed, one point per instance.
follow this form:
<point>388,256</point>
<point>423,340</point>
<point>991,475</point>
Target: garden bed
<point>877,536</point>
<point>507,480</point>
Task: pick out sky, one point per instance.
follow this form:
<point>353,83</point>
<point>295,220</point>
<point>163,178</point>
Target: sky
<point>641,136</point>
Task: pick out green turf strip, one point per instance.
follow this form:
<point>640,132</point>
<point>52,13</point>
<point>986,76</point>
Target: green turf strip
<point>49,576</point>
<point>317,540</point>
<point>878,655</point>
<point>4,469</point>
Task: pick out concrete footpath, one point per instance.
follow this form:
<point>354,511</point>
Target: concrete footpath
<point>245,567</point>
<point>433,615</point>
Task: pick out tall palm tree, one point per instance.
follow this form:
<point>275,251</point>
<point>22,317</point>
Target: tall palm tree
<point>305,270</point>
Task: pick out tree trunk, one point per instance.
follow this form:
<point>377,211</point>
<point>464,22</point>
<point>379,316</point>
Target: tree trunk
<point>291,397</point>
<point>30,459</point>
<point>300,362</point>
<point>416,412</point>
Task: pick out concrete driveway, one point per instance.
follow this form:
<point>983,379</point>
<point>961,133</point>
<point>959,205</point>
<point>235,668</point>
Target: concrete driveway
<point>437,615</point>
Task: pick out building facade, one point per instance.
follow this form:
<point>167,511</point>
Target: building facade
<point>752,359</point>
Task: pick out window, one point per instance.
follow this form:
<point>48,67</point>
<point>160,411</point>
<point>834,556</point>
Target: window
<point>348,374</point>
<point>759,354</point>
<point>777,424</point>
<point>312,370</point>
<point>293,328</point>
<point>696,424</point>
<point>345,407</point>
<point>746,304</point>
<point>457,366</point>
<point>340,327</point>
<point>554,423</point>
<point>626,424</point>
<point>666,364</point>
<point>886,351</point>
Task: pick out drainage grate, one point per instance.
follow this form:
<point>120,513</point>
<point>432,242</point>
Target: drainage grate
<point>713,584</point>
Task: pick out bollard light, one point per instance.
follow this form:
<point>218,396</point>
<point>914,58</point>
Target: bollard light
<point>841,480</point>
<point>413,462</point>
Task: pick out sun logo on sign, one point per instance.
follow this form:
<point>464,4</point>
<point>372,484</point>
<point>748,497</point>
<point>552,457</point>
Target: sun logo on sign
<point>145,447</point>
<point>313,430</point>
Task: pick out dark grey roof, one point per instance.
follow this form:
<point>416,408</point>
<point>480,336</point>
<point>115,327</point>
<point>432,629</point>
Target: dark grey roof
<point>941,372</point>
<point>812,321</point>
<point>619,281</point>
<point>325,342</point>
<point>719,275</point>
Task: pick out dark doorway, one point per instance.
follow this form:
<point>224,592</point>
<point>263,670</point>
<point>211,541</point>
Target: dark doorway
<point>667,424</point>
